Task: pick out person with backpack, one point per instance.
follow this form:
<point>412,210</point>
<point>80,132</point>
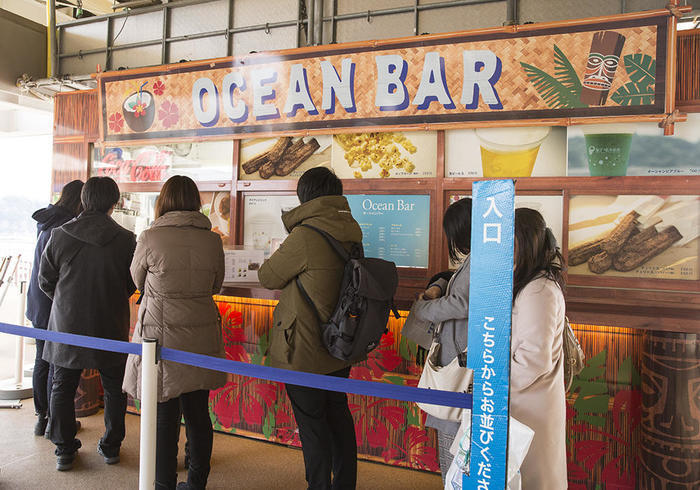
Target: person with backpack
<point>326,426</point>
<point>66,208</point>
<point>445,304</point>
<point>85,271</point>
<point>537,395</point>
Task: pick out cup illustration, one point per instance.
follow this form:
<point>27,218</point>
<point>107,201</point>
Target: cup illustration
<point>139,110</point>
<point>608,150</point>
<point>510,152</point>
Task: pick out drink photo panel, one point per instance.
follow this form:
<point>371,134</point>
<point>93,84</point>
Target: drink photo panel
<point>651,237</point>
<point>634,149</point>
<point>533,151</point>
<point>262,221</point>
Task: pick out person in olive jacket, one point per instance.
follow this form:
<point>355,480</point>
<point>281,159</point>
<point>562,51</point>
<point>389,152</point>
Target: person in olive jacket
<point>66,208</point>
<point>85,271</point>
<point>178,265</point>
<point>326,427</point>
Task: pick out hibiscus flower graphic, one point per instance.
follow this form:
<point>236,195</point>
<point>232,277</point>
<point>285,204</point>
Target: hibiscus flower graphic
<point>116,122</point>
<point>158,88</point>
<point>168,114</point>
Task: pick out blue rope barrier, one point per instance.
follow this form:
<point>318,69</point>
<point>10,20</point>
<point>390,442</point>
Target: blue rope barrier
<point>331,383</point>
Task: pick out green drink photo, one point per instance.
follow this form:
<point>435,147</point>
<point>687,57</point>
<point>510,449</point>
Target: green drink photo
<point>608,153</point>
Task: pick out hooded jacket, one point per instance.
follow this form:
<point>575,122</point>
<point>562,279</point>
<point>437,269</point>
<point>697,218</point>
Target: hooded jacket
<point>295,341</point>
<point>38,304</point>
<point>85,271</point>
<point>178,265</point>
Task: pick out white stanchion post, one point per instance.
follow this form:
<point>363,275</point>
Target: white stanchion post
<point>149,392</point>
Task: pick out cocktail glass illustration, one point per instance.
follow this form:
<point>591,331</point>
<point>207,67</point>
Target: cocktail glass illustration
<point>608,149</point>
<point>510,152</point>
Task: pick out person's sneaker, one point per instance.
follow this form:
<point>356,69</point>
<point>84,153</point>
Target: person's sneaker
<point>109,459</point>
<point>64,462</point>
<point>41,423</point>
<point>183,485</point>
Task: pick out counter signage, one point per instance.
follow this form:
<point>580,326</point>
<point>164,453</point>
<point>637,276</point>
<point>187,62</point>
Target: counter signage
<point>394,227</point>
<point>594,68</point>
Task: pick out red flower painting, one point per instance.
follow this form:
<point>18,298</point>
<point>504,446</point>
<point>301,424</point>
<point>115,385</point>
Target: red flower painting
<point>116,122</point>
<point>168,114</point>
<point>158,88</point>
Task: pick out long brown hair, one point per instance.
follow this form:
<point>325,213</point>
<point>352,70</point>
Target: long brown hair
<point>179,193</point>
<point>537,253</point>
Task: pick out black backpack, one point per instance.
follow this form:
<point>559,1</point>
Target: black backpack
<point>366,297</point>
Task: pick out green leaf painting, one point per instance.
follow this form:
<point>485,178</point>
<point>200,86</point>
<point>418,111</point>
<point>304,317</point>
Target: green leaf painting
<point>628,374</point>
<point>641,69</point>
<point>269,424</point>
<point>553,91</point>
<point>565,73</point>
<point>592,402</point>
<point>633,94</point>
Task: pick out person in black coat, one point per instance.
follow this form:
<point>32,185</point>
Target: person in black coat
<point>66,208</point>
<point>85,271</point>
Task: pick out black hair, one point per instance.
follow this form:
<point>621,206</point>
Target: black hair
<point>317,182</point>
<point>70,197</point>
<point>99,194</point>
<point>537,253</point>
<point>457,223</point>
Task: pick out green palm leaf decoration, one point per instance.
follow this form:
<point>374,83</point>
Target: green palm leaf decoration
<point>555,94</point>
<point>632,94</point>
<point>641,68</point>
<point>565,72</point>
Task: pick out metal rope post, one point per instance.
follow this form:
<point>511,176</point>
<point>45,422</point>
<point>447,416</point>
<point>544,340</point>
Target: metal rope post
<point>149,393</point>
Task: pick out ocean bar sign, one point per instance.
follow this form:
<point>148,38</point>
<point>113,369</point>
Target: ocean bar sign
<point>486,75</point>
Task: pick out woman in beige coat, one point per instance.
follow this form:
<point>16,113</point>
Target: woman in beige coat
<point>537,396</point>
<point>178,265</point>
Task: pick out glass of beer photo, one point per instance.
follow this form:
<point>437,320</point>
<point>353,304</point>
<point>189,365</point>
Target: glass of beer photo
<point>510,152</point>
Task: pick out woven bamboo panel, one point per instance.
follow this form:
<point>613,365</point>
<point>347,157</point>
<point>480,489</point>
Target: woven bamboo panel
<point>173,100</point>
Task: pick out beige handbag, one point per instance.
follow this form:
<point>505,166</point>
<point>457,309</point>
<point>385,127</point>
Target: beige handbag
<point>452,377</point>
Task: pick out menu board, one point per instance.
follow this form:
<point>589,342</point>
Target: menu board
<point>203,161</point>
<point>385,155</point>
<point>535,151</point>
<point>394,227</point>
<point>262,222</point>
<point>634,149</point>
<point>283,157</point>
<point>635,236</point>
<point>241,264</point>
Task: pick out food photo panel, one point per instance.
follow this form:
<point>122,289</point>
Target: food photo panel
<point>283,157</point>
<point>635,236</point>
<point>509,152</point>
<point>392,154</point>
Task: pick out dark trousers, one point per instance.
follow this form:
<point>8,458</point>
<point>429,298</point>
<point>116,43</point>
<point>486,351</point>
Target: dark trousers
<point>41,381</point>
<point>327,433</point>
<point>62,422</point>
<point>200,437</point>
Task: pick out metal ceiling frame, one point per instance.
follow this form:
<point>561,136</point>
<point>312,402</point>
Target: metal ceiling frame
<point>309,27</point>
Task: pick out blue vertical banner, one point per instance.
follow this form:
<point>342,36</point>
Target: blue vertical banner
<point>490,305</point>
